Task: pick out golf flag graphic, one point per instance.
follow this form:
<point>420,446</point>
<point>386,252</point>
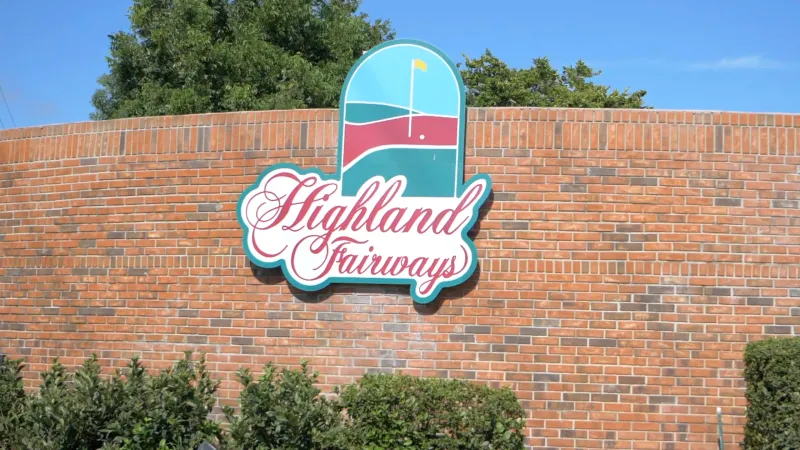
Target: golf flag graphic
<point>397,210</point>
<point>415,64</point>
<point>402,109</point>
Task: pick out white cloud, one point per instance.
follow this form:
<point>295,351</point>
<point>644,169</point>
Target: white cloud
<point>754,62</point>
<point>18,101</point>
<point>741,63</point>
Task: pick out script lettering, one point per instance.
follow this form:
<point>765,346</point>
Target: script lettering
<point>304,223</point>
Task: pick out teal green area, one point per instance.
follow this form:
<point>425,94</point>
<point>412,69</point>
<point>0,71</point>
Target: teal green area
<point>431,172</point>
<point>368,112</point>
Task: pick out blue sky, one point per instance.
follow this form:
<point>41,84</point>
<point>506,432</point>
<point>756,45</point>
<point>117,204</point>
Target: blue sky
<point>385,77</point>
<point>734,55</point>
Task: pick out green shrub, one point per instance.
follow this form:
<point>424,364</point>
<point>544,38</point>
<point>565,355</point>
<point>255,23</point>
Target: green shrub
<point>397,411</point>
<point>69,412</point>
<point>772,374</point>
<point>87,411</point>
<point>133,410</point>
<point>281,411</point>
<point>165,412</point>
<point>12,402</point>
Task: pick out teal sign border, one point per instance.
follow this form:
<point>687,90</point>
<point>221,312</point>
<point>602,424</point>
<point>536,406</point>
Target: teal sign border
<point>337,176</point>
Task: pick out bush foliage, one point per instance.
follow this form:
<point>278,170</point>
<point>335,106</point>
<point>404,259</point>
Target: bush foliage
<point>132,410</point>
<point>12,399</point>
<point>281,410</point>
<point>391,411</point>
<point>772,374</point>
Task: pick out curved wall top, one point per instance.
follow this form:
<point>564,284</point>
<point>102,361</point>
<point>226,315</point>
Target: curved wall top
<point>624,260</point>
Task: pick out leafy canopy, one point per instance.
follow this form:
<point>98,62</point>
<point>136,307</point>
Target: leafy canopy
<point>490,82</point>
<point>193,56</point>
<point>196,56</point>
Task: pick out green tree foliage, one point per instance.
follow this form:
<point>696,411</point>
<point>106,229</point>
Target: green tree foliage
<point>194,56</point>
<point>490,82</point>
<point>197,56</point>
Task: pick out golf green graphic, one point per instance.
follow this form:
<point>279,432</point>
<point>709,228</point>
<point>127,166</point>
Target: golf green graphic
<point>397,210</point>
<point>386,128</point>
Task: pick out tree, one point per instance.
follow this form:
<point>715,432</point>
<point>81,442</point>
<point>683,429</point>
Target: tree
<point>193,56</point>
<point>490,82</point>
<point>197,56</point>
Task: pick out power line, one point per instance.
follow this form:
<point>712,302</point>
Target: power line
<point>7,108</point>
<point>2,124</point>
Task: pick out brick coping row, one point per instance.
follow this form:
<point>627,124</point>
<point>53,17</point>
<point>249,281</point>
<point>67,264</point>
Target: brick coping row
<point>474,114</point>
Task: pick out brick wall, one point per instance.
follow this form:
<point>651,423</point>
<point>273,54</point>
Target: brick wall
<point>626,258</point>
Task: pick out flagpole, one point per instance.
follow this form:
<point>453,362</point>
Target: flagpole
<point>411,99</point>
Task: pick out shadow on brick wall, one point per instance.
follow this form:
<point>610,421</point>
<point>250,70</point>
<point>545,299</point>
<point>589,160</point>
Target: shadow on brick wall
<point>273,276</point>
<point>450,294</point>
<point>465,288</point>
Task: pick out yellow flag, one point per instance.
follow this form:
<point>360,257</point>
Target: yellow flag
<point>420,64</point>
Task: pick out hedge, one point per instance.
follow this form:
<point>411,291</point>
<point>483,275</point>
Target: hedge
<point>772,374</point>
<point>389,412</point>
<point>136,410</point>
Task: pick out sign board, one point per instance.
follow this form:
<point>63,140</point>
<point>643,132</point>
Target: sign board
<point>396,211</point>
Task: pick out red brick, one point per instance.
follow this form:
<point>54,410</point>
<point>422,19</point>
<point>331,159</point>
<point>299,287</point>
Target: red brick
<point>637,283</point>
